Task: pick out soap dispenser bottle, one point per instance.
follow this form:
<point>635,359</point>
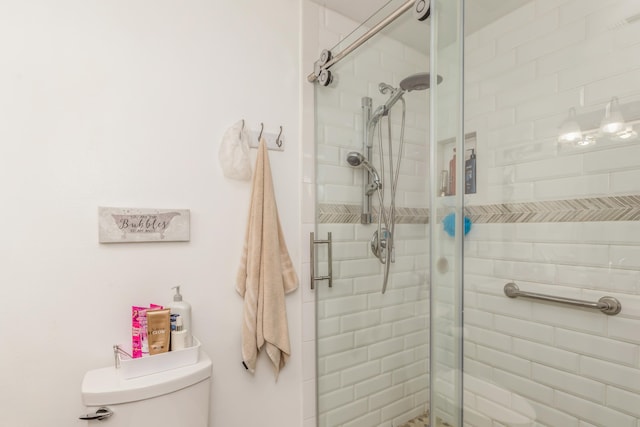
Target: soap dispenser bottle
<point>183,308</point>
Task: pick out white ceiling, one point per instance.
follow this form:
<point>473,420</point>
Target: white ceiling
<point>478,13</point>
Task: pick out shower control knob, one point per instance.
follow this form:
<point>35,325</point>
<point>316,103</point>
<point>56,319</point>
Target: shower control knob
<point>379,244</point>
<point>372,187</point>
<point>325,78</point>
<point>422,9</point>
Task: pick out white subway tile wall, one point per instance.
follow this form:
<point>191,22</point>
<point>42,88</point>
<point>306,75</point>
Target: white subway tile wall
<point>572,367</point>
<point>372,349</point>
<point>558,366</point>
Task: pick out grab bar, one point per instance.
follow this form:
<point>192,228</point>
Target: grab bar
<point>607,305</point>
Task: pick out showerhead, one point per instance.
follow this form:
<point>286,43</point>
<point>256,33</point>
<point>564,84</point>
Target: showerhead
<point>356,159</point>
<point>419,81</point>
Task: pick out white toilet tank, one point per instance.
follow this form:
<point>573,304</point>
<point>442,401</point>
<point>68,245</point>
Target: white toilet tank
<point>177,397</point>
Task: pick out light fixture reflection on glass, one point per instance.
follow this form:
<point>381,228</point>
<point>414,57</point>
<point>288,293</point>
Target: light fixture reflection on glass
<point>626,134</point>
<point>570,132</point>
<point>587,140</point>
<point>613,122</point>
<point>613,127</point>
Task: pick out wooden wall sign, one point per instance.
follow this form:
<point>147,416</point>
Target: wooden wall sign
<point>129,225</point>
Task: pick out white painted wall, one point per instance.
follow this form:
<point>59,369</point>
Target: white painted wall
<point>124,103</point>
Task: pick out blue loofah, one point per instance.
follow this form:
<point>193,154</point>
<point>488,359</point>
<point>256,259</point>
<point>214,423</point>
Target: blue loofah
<point>449,223</point>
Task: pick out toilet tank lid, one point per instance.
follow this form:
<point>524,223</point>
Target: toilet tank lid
<point>105,386</point>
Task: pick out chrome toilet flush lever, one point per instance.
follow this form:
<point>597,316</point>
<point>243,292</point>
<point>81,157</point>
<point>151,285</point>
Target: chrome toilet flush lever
<point>101,414</point>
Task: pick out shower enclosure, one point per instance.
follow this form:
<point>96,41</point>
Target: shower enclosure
<point>372,323</point>
<point>502,285</point>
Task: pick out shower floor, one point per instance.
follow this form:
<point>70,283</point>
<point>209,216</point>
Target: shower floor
<point>421,421</point>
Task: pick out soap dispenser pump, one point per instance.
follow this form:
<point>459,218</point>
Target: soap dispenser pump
<point>183,309</point>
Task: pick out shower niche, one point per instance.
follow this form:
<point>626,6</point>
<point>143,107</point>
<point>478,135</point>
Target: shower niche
<point>447,165</point>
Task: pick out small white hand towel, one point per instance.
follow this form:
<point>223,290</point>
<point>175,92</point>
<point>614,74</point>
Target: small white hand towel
<point>265,275</point>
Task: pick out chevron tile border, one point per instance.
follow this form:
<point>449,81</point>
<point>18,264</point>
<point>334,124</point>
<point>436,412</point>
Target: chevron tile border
<point>350,214</point>
<point>616,208</point>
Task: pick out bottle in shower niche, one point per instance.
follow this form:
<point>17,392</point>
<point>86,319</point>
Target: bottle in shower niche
<point>452,174</point>
<point>470,173</point>
<point>444,183</point>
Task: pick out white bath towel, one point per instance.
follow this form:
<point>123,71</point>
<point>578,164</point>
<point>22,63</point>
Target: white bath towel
<point>265,275</point>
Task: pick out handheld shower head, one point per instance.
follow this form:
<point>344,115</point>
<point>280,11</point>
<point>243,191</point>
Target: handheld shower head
<point>356,160</point>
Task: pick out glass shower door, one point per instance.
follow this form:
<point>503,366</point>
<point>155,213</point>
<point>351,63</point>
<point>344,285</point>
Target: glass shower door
<point>552,95</point>
<point>372,347</point>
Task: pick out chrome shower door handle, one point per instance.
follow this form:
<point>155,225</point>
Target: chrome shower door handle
<point>312,250</point>
<point>101,414</point>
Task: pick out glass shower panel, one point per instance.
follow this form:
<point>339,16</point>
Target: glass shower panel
<point>446,201</point>
<point>552,95</point>
<point>372,348</point>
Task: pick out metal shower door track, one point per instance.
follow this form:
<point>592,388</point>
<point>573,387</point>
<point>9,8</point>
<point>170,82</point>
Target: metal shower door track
<point>361,40</point>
